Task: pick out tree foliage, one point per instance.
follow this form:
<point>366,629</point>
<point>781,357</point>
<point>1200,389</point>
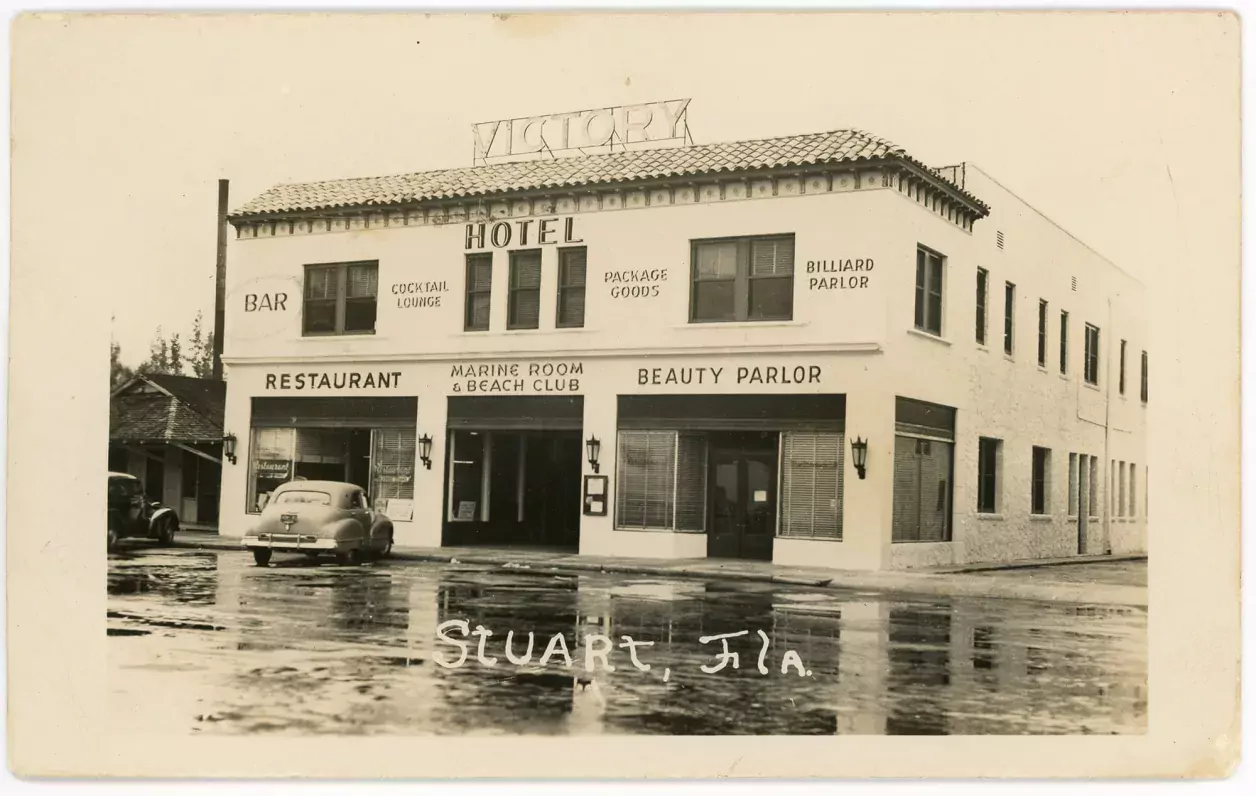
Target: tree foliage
<point>192,356</point>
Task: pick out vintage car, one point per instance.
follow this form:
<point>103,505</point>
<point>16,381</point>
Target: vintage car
<point>132,514</point>
<point>315,517</point>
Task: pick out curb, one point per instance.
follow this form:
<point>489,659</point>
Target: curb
<point>933,584</point>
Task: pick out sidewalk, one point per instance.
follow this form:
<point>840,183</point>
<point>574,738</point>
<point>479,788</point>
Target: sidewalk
<point>948,582</point>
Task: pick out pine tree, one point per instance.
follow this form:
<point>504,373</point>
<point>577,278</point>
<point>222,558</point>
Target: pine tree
<point>200,354</point>
<point>159,354</point>
<point>119,373</point>
<point>175,362</point>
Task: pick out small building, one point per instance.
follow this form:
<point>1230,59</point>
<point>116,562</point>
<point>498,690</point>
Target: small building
<point>167,431</point>
<point>811,350</point>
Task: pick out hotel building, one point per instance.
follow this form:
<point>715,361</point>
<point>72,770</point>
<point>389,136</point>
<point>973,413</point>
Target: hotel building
<point>814,350</point>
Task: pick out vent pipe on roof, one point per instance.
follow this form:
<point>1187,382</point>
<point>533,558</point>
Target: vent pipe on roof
<point>220,281</point>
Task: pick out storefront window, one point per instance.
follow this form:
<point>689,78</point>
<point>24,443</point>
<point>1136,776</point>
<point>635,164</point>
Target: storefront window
<point>811,485</point>
<point>662,481</point>
<point>270,463</point>
<point>381,461</point>
<point>468,468</point>
<point>392,465</point>
<point>922,489</point>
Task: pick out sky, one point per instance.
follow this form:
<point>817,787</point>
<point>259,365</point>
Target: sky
<point>1083,116</point>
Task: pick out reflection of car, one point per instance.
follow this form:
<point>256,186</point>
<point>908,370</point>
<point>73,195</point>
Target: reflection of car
<point>133,514</point>
<point>314,517</point>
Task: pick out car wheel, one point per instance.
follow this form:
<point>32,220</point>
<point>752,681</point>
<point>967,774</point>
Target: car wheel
<point>387,551</point>
<point>261,556</point>
<point>350,557</point>
<point>165,531</point>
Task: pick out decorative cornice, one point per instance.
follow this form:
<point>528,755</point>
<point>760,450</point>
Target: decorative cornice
<point>930,192</point>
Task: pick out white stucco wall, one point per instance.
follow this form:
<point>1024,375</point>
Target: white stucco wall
<point>860,337</point>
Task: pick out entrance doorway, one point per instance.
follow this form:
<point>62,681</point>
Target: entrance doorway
<point>742,494</point>
<point>513,488</point>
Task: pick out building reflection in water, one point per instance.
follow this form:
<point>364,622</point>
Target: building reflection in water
<point>919,671</point>
<point>876,667</point>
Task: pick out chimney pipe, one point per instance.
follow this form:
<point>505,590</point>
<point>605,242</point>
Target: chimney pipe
<point>220,281</point>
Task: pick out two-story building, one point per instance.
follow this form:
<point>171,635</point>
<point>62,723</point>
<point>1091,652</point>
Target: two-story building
<point>813,350</point>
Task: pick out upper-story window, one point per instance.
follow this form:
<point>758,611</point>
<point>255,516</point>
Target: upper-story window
<point>1042,333</point>
<point>929,265</point>
<point>1091,370</point>
<point>1063,341</point>
<point>524,311</point>
<point>1009,317</point>
<point>743,279</point>
<point>983,290</point>
<point>340,298</point>
<point>1143,388</point>
<point>572,272</point>
<point>1121,372</point>
<point>479,291</point>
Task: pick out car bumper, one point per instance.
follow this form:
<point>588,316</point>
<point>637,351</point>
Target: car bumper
<point>293,541</point>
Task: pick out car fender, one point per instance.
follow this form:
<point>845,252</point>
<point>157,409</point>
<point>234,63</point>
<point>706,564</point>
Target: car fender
<point>159,513</point>
<point>347,528</point>
<point>382,528</point>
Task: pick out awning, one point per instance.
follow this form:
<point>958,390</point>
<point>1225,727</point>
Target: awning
<point>520,412</point>
<point>733,412</point>
<point>383,412</point>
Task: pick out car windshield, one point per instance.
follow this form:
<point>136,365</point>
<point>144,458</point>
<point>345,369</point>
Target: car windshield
<point>303,497</point>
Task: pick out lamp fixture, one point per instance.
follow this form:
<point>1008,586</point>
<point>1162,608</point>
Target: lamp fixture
<point>229,447</point>
<point>594,446</point>
<point>859,449</point>
<point>425,451</point>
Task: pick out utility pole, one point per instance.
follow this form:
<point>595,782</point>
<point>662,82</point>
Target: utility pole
<point>220,281</point>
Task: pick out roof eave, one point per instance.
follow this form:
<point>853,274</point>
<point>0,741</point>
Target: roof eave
<point>921,171</point>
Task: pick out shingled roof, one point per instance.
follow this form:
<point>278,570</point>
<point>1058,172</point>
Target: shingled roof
<point>163,408</point>
<point>839,146</point>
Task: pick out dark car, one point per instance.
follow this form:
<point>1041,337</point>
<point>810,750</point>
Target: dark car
<point>132,514</point>
<point>315,517</point>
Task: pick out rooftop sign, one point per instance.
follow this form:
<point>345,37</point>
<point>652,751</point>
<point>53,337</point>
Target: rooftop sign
<point>587,132</point>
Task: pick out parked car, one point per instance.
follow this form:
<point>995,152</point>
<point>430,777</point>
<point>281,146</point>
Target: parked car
<point>132,514</point>
<point>317,517</point>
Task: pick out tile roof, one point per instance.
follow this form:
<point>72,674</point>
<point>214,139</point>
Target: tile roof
<point>192,412</point>
<point>839,146</point>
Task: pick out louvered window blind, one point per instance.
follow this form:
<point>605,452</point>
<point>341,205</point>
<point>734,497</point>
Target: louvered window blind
<point>525,290</point>
<point>479,291</point>
<point>922,489</point>
<point>392,464</point>
<point>661,481</point>
<point>572,268</point>
<point>811,485</point>
<point>340,298</point>
<point>743,279</point>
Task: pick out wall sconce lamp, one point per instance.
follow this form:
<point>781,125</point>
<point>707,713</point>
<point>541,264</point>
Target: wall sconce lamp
<point>859,448</point>
<point>229,447</point>
<point>594,446</point>
<point>425,451</point>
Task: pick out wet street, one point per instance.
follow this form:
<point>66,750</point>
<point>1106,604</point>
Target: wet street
<point>205,642</point>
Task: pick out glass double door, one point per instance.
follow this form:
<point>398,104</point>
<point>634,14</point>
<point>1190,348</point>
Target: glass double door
<point>743,494</point>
